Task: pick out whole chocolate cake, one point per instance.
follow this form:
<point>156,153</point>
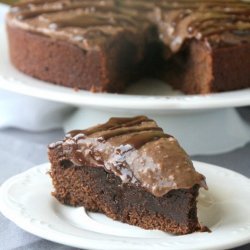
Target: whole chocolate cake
<point>130,170</point>
<point>196,46</point>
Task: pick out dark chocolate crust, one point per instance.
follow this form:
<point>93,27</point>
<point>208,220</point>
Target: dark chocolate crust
<point>100,191</point>
<point>65,64</point>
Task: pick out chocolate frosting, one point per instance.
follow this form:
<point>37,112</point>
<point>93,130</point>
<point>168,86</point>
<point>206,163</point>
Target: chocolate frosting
<point>134,149</point>
<point>88,23</point>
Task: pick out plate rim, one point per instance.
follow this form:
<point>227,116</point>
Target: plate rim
<point>58,236</point>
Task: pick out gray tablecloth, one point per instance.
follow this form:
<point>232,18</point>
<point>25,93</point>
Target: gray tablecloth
<point>20,150</point>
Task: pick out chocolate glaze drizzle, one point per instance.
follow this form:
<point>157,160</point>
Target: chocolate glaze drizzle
<point>87,23</point>
<point>136,150</point>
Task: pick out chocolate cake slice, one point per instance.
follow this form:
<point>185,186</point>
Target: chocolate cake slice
<point>103,46</point>
<point>130,170</point>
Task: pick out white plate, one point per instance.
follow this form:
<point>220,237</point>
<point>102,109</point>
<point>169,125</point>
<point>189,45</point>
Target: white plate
<point>145,95</point>
<point>26,200</point>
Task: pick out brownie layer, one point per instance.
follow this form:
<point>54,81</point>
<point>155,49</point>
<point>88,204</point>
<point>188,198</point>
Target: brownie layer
<point>66,64</point>
<point>201,69</point>
<point>100,191</point>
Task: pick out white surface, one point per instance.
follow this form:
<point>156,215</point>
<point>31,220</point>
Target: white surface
<point>145,95</point>
<point>31,113</point>
<point>26,200</point>
<point>3,9</point>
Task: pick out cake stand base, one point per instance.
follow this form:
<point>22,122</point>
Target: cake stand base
<point>199,132</point>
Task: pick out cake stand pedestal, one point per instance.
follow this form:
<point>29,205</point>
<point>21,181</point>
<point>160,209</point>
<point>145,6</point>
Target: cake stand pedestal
<point>199,132</point>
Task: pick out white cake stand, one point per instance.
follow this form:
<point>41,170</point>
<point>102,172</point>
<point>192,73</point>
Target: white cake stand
<point>205,124</point>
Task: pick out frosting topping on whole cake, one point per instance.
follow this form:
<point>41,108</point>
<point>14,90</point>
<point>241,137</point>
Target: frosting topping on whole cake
<point>88,23</point>
<point>181,20</point>
<point>136,150</point>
